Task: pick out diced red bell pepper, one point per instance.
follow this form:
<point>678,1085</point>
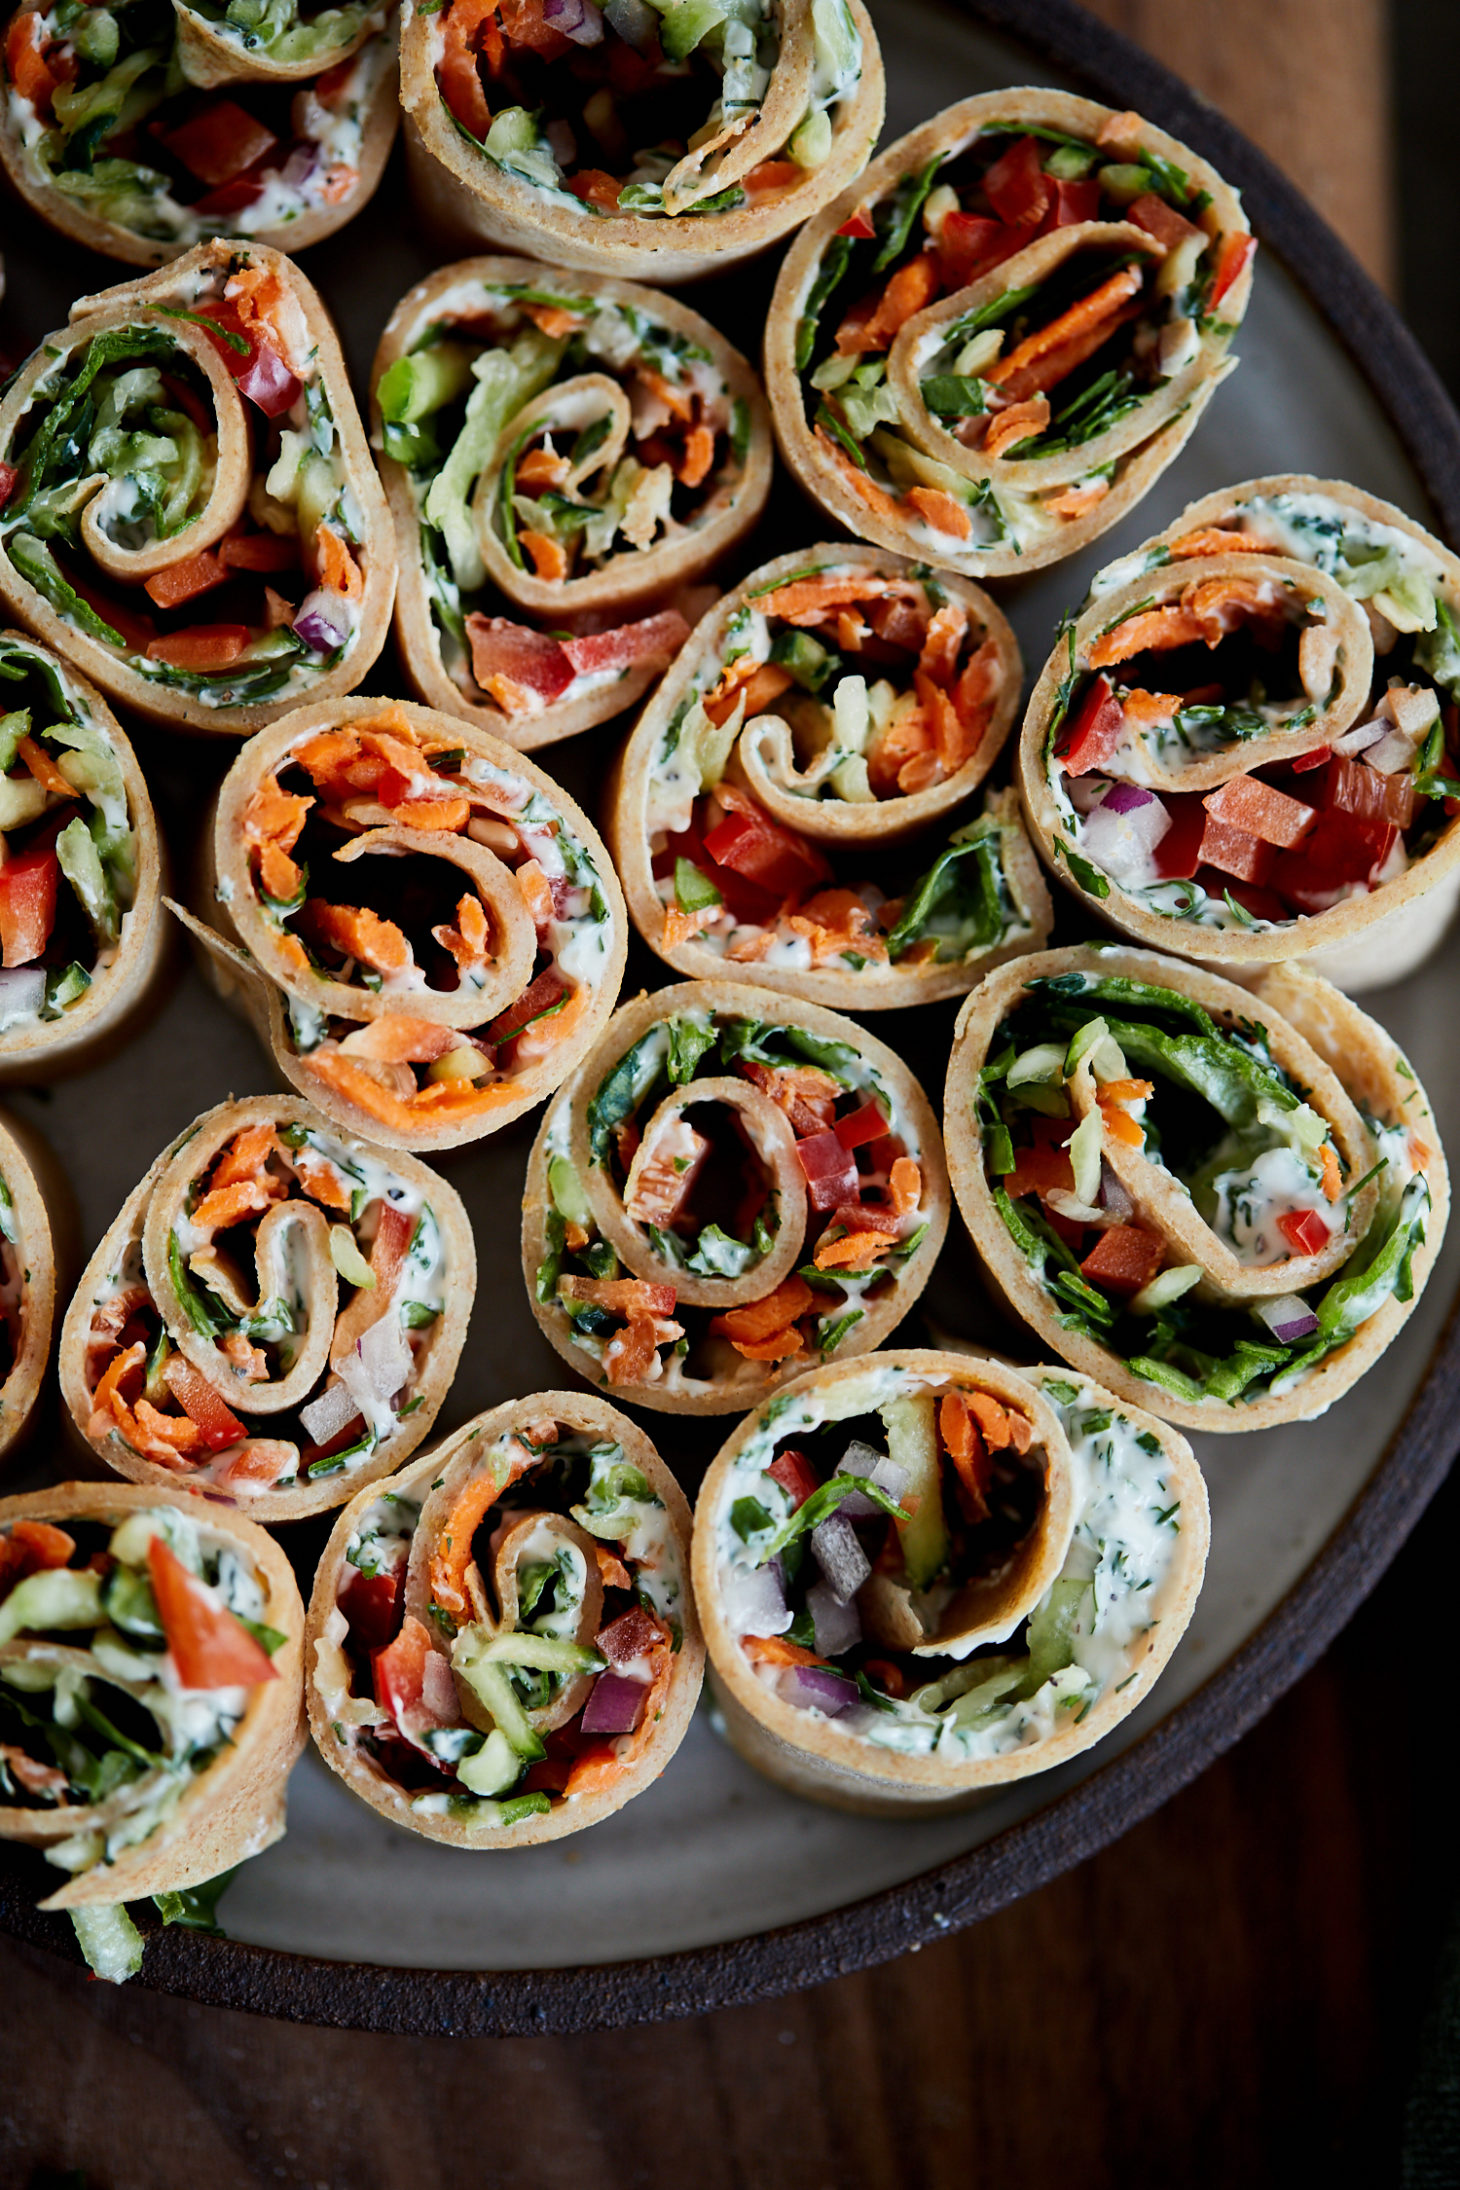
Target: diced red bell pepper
<point>209,1647</point>
<point>1307,761</point>
<point>202,648</point>
<point>796,1476</point>
<point>401,1672</point>
<point>859,226</point>
<point>229,197</point>
<point>393,1231</point>
<point>532,659</point>
<point>219,141</point>
<point>9,477</point>
<point>1262,904</point>
<point>632,1635</point>
<point>653,638</point>
<point>260,372</point>
<point>1233,851</point>
<point>541,994</point>
<point>28,885</point>
<point>750,843</point>
<point>184,581</point>
<point>1017,187</point>
<point>1232,261</point>
<point>1044,1168</point>
<point>1255,808</point>
<point>1340,849</point>
<point>1123,1259</point>
<point>970,244</point>
<point>372,1605</point>
<point>1072,202</point>
<point>1304,1230</point>
<point>1178,855</point>
<point>259,551</point>
<point>866,1123</point>
<point>1353,787</point>
<point>26,62</point>
<point>1161,221</point>
<point>831,1169</point>
<point>202,1404</point>
<point>1091,737</point>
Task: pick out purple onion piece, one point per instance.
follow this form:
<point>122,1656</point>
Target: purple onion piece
<point>579,20</point>
<point>1288,1318</point>
<point>378,1364</point>
<point>323,622</point>
<point>1121,843</point>
<point>636,23</point>
<point>299,166</point>
<point>837,1626</point>
<point>755,1599</point>
<point>840,1557</point>
<point>1360,738</point>
<point>816,1688</point>
<point>326,1416</point>
<point>1113,1197</point>
<point>615,1705</point>
<point>1124,798</point>
<point>22,990</point>
<point>860,1459</point>
<point>1086,792</point>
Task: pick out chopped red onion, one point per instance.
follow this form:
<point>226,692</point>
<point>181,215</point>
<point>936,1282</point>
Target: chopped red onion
<point>267,381</point>
<point>755,1599</point>
<point>22,991</point>
<point>1122,843</point>
<point>1360,738</point>
<point>615,1705</point>
<point>636,23</point>
<point>840,1557</point>
<point>579,20</point>
<point>326,1416</point>
<point>299,166</point>
<point>378,1363</point>
<point>1086,792</point>
<point>323,621</point>
<point>816,1688</point>
<point>1288,1318</point>
<point>837,1626</point>
<point>1125,798</point>
<point>1393,755</point>
<point>1114,1199</point>
<point>860,1459</point>
<point>438,1688</point>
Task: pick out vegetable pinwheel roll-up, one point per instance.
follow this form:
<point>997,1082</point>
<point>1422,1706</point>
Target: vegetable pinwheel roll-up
<point>188,509</point>
<point>923,1575</point>
<point>562,456</point>
<point>732,1187</point>
<point>1341,846</point>
<point>27,1274</point>
<point>275,1316</point>
<point>992,344</point>
<point>81,923</point>
<point>502,1647</point>
<point>432,934</point>
<point>821,710</point>
<point>1222,1202</point>
<point>666,140</point>
<point>142,130</point>
<point>150,1699</point>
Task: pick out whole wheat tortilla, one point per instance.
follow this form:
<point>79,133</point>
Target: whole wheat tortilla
<point>1141,446</point>
<point>744,1383</point>
<point>215,52</point>
<point>652,578</point>
<point>145,1221</point>
<point>151,299</point>
<point>465,198</point>
<point>100,1020</point>
<point>1308,1021</point>
<point>234,1807</point>
<point>807,1752</point>
<point>40,1209</point>
<point>334,1714</point>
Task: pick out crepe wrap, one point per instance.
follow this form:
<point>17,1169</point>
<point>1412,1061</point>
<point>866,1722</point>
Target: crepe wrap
<point>904,265</point>
<point>778,171</point>
<point>420,1578</point>
<point>317,1285</point>
<point>35,1222</point>
<point>1406,586</point>
<point>664,399</point>
<point>230,1808</point>
<point>1001,1603</point>
<point>95,757</point>
<point>1285,1236</point>
<point>732,856</point>
<point>278,557</point>
<point>311,122</point>
<point>651,1262</point>
<point>525,958</point>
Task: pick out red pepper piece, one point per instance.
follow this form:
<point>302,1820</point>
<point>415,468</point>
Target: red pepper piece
<point>28,885</point>
<point>1123,1259</point>
<point>372,1605</point>
<point>796,1476</point>
<point>1045,1168</point>
<point>753,845</point>
<point>1304,1230</point>
<point>1353,787</point>
<point>970,244</point>
<point>1072,202</point>
<point>1017,187</point>
<point>184,581</point>
<point>9,478</point>
<point>864,1124</point>
<point>1090,740</point>
<point>859,225</point>
<point>1233,851</point>
<point>1178,855</point>
<point>209,1647</point>
<point>1339,850</point>
<point>1233,259</point>
<point>1161,221</point>
<point>831,1170</point>
<point>541,995</point>
<point>219,141</point>
<point>1245,803</point>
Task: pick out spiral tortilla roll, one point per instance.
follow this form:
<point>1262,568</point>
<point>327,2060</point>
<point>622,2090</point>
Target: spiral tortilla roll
<point>223,464</point>
<point>29,1181</point>
<point>181,1647</point>
<point>86,941</point>
<point>1018,1564</point>
<point>293,148</point>
<point>1372,881</point>
<point>494,961</point>
<point>732,1185</point>
<point>991,345</point>
<point>824,707</point>
<point>564,457</point>
<point>502,1646</point>
<point>603,163</point>
<point>1221,1202</point>
<point>275,1316</point>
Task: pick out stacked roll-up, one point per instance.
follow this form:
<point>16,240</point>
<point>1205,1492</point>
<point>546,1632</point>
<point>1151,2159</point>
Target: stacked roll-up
<point>1286,790</point>
<point>732,1185</point>
<point>840,700</point>
<point>81,920</point>
<point>30,1179</point>
<point>990,346</point>
<point>924,1574</point>
<point>144,130</point>
<point>188,510</point>
<point>274,1317</point>
<point>1222,1202</point>
<point>563,457</point>
<point>660,141</point>
<point>502,1644</point>
<point>432,934</point>
<point>150,1701</point>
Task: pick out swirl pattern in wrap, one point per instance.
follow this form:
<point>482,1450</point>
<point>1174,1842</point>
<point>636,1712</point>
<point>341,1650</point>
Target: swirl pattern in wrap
<point>30,1179</point>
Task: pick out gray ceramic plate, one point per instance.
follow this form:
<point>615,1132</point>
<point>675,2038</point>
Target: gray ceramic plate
<point>716,1886</point>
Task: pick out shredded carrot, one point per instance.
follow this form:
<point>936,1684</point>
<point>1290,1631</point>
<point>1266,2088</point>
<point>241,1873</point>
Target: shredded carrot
<point>535,891</point>
<point>44,769</point>
<point>1146,707</point>
<point>467,941</point>
<point>762,683</point>
<point>699,454</point>
<point>1020,422</point>
<point>449,816</point>
<point>1154,630</point>
<point>853,1251</point>
<point>914,285</point>
<point>1086,314</point>
<point>759,1318</point>
<point>905,1182</point>
<point>554,321</point>
<point>944,512</point>
<point>631,1352</point>
<point>611,1571</point>
<point>966,1449</point>
<point>451,1552</point>
<point>876,498</point>
<point>993,1419</point>
<point>245,1156</point>
<point>679,402</point>
<point>359,933</point>
<point>542,467</point>
<point>1075,502</point>
<point>775,1650</point>
<point>1332,1181</point>
<point>549,556</point>
<point>398,1039</point>
<point>1214,540</point>
<point>683,927</point>
<point>942,640</point>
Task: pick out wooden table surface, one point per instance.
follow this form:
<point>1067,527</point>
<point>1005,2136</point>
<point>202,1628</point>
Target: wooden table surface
<point>1232,1995</point>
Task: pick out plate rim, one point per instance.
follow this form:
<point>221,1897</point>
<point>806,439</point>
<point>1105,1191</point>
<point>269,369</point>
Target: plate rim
<point>271,1981</point>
